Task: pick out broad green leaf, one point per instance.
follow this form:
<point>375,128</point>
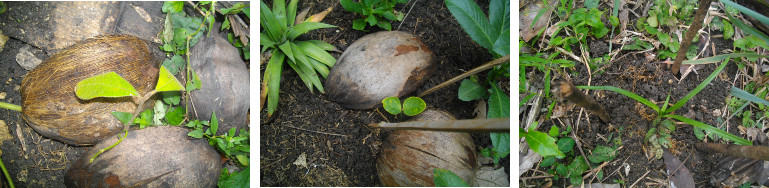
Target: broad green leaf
<point>269,22</point>
<point>104,85</point>
<point>541,143</point>
<point>305,27</point>
<point>322,45</point>
<point>194,83</point>
<point>470,90</point>
<point>351,6</point>
<point>392,105</point>
<point>197,133</point>
<point>359,24</point>
<point>171,98</point>
<point>176,116</point>
<point>601,154</point>
<point>172,6</point>
<point>499,103</point>
<point>473,21</point>
<point>728,30</point>
<point>446,178</point>
<point>214,123</point>
<point>272,78</point>
<point>144,119</point>
<point>737,92</point>
<point>174,64</point>
<point>565,144</point>
<point>554,130</point>
<point>711,129</point>
<point>167,81</point>
<point>501,143</point>
<point>413,106</point>
<point>124,117</point>
<point>279,8</point>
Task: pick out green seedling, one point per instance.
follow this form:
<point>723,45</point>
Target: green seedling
<point>236,179</point>
<point>235,147</point>
<point>411,106</point>
<point>569,164</point>
<point>659,133</point>
<point>447,178</point>
<point>375,12</point>
<point>112,85</point>
<point>308,58</point>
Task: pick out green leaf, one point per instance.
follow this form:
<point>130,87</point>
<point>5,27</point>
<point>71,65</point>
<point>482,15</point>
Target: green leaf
<point>270,23</point>
<point>392,105</point>
<point>591,4</point>
<point>499,103</point>
<point>291,12</point>
<point>565,144</point>
<point>750,30</point>
<point>351,6</point>
<point>728,30</point>
<point>626,93</point>
<point>553,131</point>
<point>315,52</point>
<point>501,143</point>
<point>541,143</point>
<point>172,6</point>
<point>359,24</point>
<point>305,27</point>
<point>167,81</point>
<point>413,106</point>
<point>471,90</point>
<point>176,116</point>
<point>171,98</point>
<point>237,179</point>
<point>144,119</point>
<point>214,123</point>
<point>193,83</point>
<point>197,133</point>
<point>601,154</point>
<point>174,64</point>
<point>272,78</point>
<point>711,129</point>
<point>124,117</point>
<point>473,21</point>
<point>737,92</point>
<point>446,178</point>
<point>104,85</point>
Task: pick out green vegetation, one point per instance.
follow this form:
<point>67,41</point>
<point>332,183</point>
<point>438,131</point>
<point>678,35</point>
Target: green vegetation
<point>493,34</point>
<point>446,178</point>
<point>376,12</point>
<point>411,106</point>
<point>307,58</point>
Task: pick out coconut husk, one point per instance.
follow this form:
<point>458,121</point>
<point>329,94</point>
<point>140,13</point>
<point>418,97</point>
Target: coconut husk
<point>50,106</point>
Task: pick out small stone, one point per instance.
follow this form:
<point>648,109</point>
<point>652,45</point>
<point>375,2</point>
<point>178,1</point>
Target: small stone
<point>717,112</point>
<point>3,40</point>
<point>670,81</point>
<point>2,95</point>
<point>17,87</point>
<point>9,81</point>
<point>26,59</point>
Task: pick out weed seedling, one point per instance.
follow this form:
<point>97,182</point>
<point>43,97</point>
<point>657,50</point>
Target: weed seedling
<point>375,12</point>
<point>411,106</point>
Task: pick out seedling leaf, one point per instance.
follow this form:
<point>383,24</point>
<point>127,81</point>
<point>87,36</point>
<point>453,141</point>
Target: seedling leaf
<point>104,85</point>
<point>601,154</point>
<point>167,81</point>
<point>541,143</point>
<point>197,133</point>
<point>413,106</point>
<point>446,178</point>
<point>176,116</point>
<point>392,105</point>
<point>501,143</point>
<point>499,103</point>
<point>470,90</point>
<point>124,117</point>
<point>214,123</point>
<point>711,129</point>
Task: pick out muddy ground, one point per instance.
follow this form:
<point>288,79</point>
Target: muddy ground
<point>631,120</point>
<point>341,149</point>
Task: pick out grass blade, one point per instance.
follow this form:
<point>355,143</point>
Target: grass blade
<point>749,12</point>
<point>722,57</point>
<point>305,27</point>
<point>752,31</point>
<point>706,127</point>
<point>737,92</point>
<point>269,22</point>
<point>696,90</point>
<point>315,52</point>
<point>625,93</point>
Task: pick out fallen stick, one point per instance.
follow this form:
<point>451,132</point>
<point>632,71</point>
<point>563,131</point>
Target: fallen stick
<point>753,152</point>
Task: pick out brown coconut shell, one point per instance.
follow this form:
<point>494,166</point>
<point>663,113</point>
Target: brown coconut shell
<point>408,157</point>
<point>48,91</point>
<point>377,66</point>
<point>152,157</point>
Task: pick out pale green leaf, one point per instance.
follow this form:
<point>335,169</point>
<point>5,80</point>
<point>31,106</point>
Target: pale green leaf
<point>167,81</point>
<point>446,178</point>
<point>104,85</point>
<point>392,105</point>
<point>413,106</point>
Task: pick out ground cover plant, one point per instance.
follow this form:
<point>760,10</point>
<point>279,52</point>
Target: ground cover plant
<point>656,115</point>
<point>336,144</point>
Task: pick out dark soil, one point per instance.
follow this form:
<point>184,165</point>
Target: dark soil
<point>341,149</point>
<point>631,120</point>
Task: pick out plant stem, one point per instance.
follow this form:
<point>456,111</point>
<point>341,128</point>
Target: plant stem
<point>483,67</point>
<point>690,34</point>
<point>10,106</point>
<point>7,176</point>
<point>490,125</point>
<point>110,147</point>
<point>125,127</point>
